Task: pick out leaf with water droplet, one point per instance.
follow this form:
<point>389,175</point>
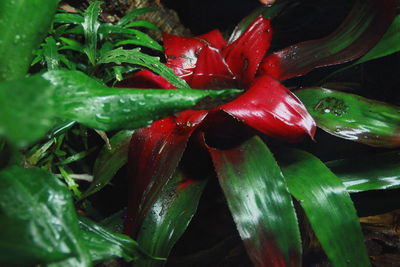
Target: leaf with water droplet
<point>29,107</point>
<point>23,26</point>
<point>353,117</point>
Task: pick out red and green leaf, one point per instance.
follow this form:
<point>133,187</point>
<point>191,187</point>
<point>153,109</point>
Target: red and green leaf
<point>353,117</point>
<point>389,44</point>
<point>271,108</point>
<point>363,28</point>
<point>328,207</point>
<point>260,203</point>
<point>373,172</point>
<point>169,216</point>
<point>155,152</point>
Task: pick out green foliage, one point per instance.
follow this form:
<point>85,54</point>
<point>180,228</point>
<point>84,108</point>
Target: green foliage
<point>260,203</point>
<point>35,208</point>
<point>155,234</point>
<point>30,107</point>
<point>43,227</point>
<point>353,117</point>
<point>104,244</point>
<point>67,101</point>
<point>23,26</point>
<point>74,34</point>
<point>328,207</point>
<point>134,56</point>
<point>373,172</point>
<point>109,161</point>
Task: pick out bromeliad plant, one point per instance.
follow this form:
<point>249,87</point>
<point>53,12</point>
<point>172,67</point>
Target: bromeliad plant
<point>47,220</point>
<point>165,188</point>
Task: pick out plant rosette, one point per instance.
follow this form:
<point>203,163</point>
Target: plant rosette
<point>266,220</point>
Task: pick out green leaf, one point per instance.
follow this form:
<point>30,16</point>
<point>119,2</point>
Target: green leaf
<point>39,221</point>
<point>72,185</point>
<point>26,110</point>
<point>23,26</point>
<point>141,39</point>
<point>133,14</point>
<point>69,18</point>
<point>136,57</point>
<point>353,117</point>
<point>389,44</point>
<point>109,161</point>
<point>90,27</point>
<point>143,24</point>
<point>328,207</point>
<point>30,107</point>
<point>169,216</point>
<point>136,37</point>
<point>104,244</point>
<point>71,44</point>
<point>97,106</point>
<point>50,53</point>
<point>373,172</point>
<point>260,203</point>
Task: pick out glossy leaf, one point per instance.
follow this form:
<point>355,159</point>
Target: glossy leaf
<point>133,14</point>
<point>136,57</point>
<point>103,108</point>
<point>69,18</point>
<point>353,117</point>
<point>169,216</point>
<point>109,161</point>
<point>260,203</point>
<point>244,55</point>
<point>104,244</point>
<point>50,53</point>
<point>130,36</point>
<point>29,107</point>
<point>143,24</point>
<point>155,152</point>
<point>23,26</point>
<point>271,108</point>
<point>90,27</point>
<point>388,45</point>
<point>269,11</point>
<point>26,110</point>
<point>328,207</point>
<point>362,29</point>
<point>39,221</point>
<point>182,53</point>
<point>373,172</point>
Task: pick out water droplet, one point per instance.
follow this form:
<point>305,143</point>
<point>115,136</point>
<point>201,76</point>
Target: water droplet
<point>106,107</point>
<point>102,118</point>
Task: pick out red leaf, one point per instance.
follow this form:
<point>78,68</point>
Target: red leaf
<point>182,53</point>
<point>213,38</point>
<point>245,54</point>
<point>155,152</point>
<point>212,71</point>
<point>271,108</point>
<point>145,79</point>
<point>362,29</point>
